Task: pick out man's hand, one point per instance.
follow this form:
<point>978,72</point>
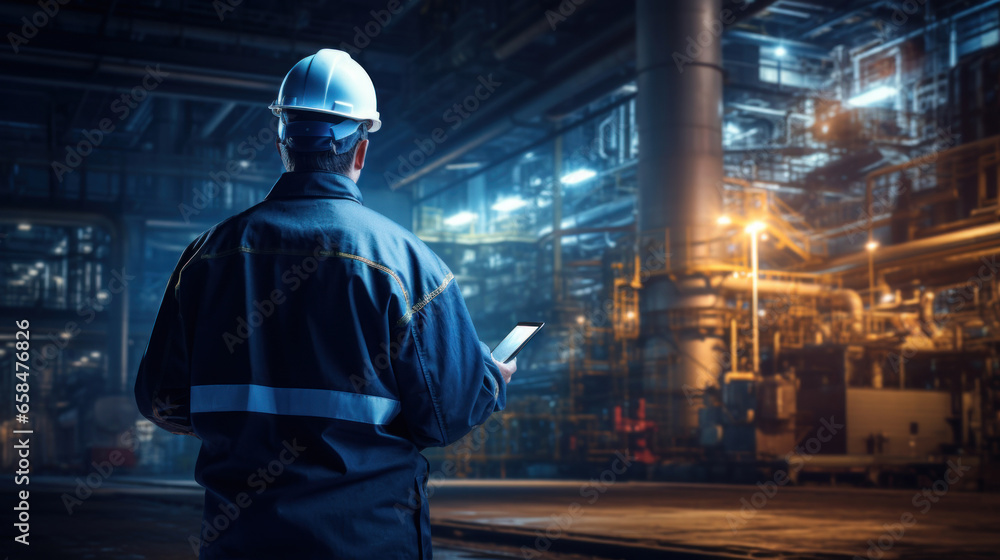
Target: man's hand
<point>506,370</point>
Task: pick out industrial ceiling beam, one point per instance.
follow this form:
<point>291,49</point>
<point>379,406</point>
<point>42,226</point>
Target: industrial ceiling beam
<point>799,47</point>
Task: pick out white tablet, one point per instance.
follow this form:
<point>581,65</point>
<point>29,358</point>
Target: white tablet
<point>514,341</point>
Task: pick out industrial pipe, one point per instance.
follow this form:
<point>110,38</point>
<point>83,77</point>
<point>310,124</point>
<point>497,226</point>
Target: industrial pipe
<point>528,106</point>
<point>679,116</point>
<point>847,299</point>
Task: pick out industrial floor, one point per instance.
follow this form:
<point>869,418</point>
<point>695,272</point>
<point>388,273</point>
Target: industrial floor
<point>708,520</point>
<point>131,518</point>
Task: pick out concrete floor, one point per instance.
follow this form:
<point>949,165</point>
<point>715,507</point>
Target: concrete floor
<point>799,522</point>
<point>123,520</point>
<point>130,519</point>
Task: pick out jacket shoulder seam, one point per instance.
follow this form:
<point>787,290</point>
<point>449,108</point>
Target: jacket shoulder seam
<point>339,254</point>
<point>425,300</point>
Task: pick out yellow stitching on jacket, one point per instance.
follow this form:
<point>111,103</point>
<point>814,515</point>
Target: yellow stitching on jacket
<point>406,296</point>
<point>177,286</point>
<point>242,249</point>
<point>425,300</point>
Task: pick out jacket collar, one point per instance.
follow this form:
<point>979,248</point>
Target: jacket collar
<point>314,184</point>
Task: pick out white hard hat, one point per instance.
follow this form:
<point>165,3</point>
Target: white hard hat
<point>328,84</point>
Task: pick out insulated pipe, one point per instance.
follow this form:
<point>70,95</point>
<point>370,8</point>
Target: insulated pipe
<point>847,299</point>
<point>679,104</point>
<point>680,120</point>
<point>891,253</point>
<point>927,314</point>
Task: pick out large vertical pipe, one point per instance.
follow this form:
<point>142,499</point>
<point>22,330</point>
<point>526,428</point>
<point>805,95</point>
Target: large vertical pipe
<point>557,272</point>
<point>680,178</point>
<point>754,288</point>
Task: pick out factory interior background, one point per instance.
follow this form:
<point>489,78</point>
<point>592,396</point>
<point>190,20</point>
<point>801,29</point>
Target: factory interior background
<point>763,236</point>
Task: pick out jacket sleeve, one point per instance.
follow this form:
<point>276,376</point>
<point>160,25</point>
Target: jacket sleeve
<point>163,383</point>
<point>448,381</point>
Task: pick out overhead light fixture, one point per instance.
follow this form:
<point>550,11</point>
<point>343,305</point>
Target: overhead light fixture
<point>510,204</point>
<point>23,227</point>
<point>724,220</point>
<point>95,354</point>
<point>780,52</point>
<point>871,245</point>
<point>460,219</point>
<point>32,272</point>
<point>579,176</point>
<point>462,166</point>
<point>825,128</point>
<point>872,96</point>
<point>755,227</point>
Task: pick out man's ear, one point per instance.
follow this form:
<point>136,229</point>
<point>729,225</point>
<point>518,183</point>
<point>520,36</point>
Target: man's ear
<point>359,155</point>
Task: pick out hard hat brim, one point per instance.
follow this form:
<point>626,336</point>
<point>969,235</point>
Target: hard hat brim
<point>373,123</point>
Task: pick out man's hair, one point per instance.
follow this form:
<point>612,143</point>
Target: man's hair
<point>326,160</point>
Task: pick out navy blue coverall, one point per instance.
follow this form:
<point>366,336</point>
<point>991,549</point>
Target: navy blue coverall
<point>315,347</point>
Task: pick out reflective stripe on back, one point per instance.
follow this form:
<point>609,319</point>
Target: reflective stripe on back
<point>323,403</point>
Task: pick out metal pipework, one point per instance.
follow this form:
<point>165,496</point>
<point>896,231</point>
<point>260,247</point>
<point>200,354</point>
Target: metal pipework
<point>679,108</point>
<point>680,120</point>
<point>955,243</point>
<point>848,299</point>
